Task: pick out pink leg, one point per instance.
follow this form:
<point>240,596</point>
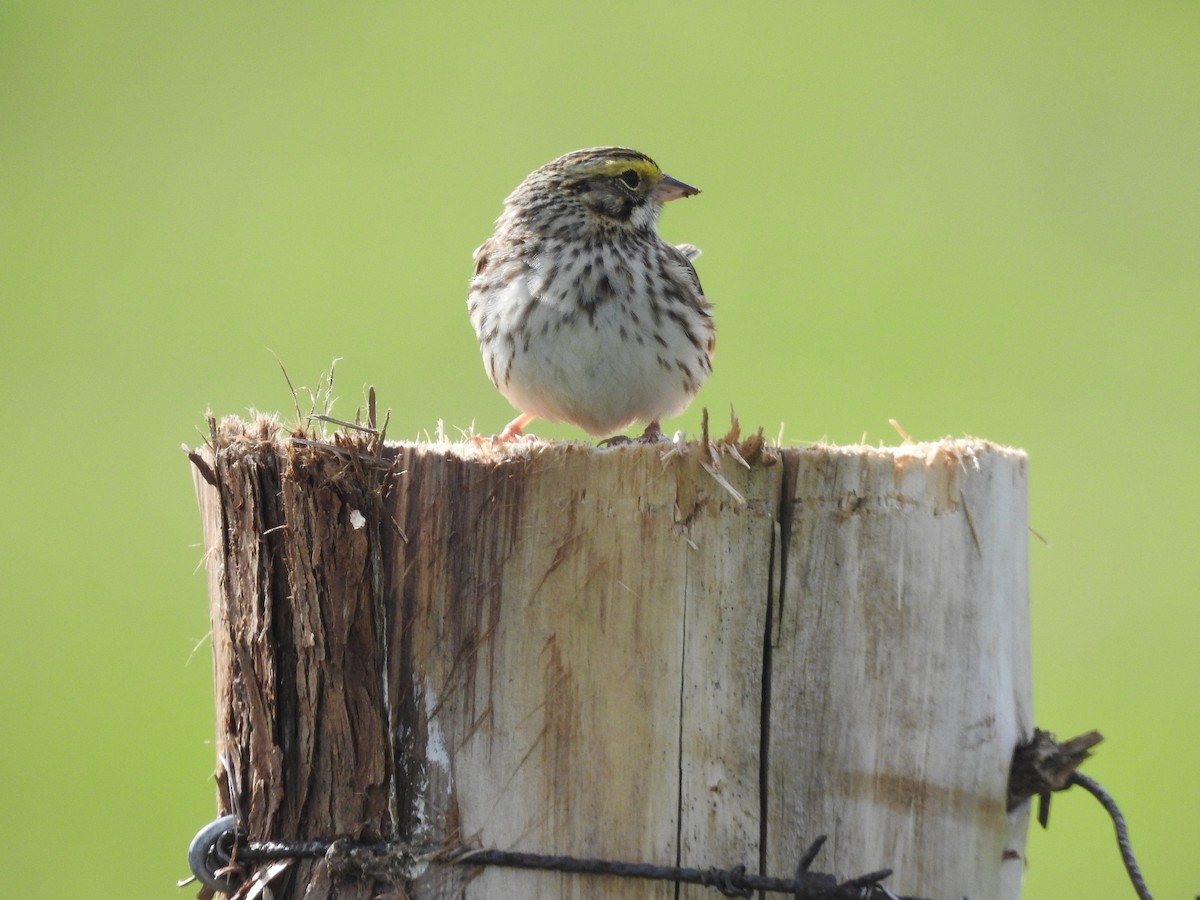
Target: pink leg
<point>512,430</point>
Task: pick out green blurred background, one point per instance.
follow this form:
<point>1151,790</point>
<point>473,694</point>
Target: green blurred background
<point>977,219</point>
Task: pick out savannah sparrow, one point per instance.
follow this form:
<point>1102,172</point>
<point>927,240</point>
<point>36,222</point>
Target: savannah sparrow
<point>583,313</point>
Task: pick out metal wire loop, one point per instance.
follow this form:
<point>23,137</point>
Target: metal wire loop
<point>210,854</point>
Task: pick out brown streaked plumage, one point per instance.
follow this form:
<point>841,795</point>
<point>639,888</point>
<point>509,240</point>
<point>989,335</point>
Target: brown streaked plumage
<point>583,313</point>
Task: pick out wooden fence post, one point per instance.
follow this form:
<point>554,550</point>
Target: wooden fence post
<point>642,653</point>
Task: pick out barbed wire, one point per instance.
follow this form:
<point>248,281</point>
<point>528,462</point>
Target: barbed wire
<point>1040,767</point>
<point>1131,866</point>
<point>1043,765</point>
<point>220,849</point>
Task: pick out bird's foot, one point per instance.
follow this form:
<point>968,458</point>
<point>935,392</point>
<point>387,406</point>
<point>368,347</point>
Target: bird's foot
<point>617,440</point>
<point>652,435</point>
<point>512,432</point>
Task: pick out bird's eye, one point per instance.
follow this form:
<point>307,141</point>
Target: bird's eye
<point>630,178</point>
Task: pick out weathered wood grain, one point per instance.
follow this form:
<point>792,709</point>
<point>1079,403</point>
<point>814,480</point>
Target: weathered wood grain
<point>613,653</point>
<point>900,666</point>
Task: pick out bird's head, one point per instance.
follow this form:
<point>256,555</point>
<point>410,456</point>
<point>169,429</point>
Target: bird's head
<point>608,188</point>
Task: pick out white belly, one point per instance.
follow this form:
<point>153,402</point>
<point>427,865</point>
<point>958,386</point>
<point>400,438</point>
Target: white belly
<point>600,371</point>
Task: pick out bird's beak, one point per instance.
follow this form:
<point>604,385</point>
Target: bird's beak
<point>670,189</point>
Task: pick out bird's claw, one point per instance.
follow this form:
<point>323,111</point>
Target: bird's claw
<point>652,435</point>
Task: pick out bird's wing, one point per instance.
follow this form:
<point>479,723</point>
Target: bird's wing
<point>480,256</point>
<point>684,254</point>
